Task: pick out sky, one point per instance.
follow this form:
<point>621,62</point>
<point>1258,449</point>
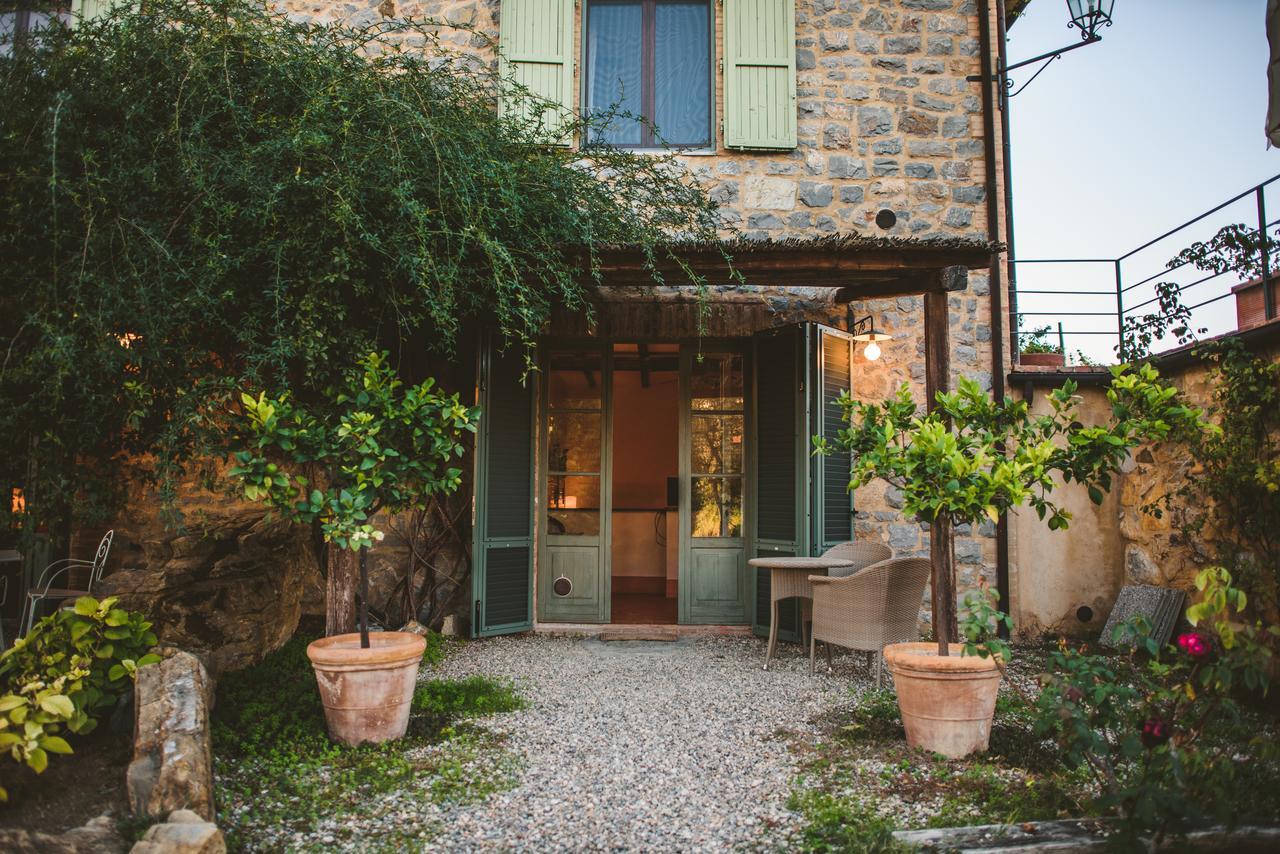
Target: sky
<point>1120,141</point>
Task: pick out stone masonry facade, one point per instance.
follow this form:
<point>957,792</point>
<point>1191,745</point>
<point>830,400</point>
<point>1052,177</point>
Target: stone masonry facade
<point>887,121</point>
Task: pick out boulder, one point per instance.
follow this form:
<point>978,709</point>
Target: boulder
<point>230,584</point>
<point>181,837</point>
<point>172,767</point>
<point>98,836</point>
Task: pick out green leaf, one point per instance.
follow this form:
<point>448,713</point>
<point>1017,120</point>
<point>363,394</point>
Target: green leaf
<point>55,744</point>
<point>38,760</point>
<point>86,606</point>
<point>59,705</point>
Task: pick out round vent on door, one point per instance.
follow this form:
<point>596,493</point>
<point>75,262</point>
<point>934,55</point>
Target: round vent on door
<point>562,586</point>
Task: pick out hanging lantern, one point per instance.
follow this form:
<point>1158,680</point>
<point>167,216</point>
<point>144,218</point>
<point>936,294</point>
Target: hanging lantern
<point>1090,16</point>
<point>865,330</point>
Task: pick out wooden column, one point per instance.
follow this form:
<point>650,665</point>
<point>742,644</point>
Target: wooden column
<point>937,376</point>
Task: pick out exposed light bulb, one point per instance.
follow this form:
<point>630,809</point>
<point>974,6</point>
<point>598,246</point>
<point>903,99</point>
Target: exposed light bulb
<point>872,352</point>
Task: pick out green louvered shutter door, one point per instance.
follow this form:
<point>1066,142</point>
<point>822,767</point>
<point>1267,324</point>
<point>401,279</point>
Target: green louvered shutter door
<point>760,74</point>
<point>832,516</point>
<point>537,54</point>
<point>502,528</point>
<point>781,461</point>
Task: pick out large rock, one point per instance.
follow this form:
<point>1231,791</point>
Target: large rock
<point>172,767</point>
<point>230,585</point>
<point>99,836</point>
<point>183,833</point>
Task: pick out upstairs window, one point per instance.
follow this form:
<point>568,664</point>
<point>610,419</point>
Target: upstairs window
<point>17,25</point>
<point>651,59</point>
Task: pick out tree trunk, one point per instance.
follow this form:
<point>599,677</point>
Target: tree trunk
<point>942,555</point>
<point>937,376</point>
<point>341,584</point>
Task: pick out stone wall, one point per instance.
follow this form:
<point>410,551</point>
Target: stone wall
<point>886,121</point>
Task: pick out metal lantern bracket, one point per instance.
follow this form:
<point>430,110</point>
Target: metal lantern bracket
<point>864,329</point>
<point>1088,16</point>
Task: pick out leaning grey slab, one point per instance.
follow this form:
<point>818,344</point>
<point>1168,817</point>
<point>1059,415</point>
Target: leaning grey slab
<point>1075,835</point>
<point>1161,606</point>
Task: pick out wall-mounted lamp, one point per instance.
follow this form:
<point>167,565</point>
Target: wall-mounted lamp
<point>1088,16</point>
<point>864,329</point>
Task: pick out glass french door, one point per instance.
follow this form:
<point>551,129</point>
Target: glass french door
<point>573,571</point>
<point>714,584</point>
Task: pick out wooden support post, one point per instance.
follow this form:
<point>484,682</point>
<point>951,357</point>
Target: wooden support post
<point>937,374</point>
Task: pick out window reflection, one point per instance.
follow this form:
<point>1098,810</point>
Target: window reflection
<point>717,506</point>
<point>716,382</point>
<point>716,433</point>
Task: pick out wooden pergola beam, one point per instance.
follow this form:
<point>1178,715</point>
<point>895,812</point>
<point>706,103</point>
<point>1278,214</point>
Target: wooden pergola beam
<point>872,271</point>
<point>945,280</point>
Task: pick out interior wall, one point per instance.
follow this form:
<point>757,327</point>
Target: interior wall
<point>645,454</point>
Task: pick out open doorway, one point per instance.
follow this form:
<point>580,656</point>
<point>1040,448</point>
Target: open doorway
<point>645,529</point>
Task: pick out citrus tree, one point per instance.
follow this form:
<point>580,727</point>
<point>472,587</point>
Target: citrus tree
<point>377,446</point>
<point>972,458</point>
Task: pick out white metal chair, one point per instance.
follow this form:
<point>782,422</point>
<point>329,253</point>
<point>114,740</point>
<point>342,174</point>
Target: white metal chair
<point>44,588</point>
<point>4,599</point>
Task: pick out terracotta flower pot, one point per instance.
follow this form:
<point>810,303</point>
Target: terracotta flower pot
<point>947,703</point>
<point>1055,360</point>
<point>367,693</point>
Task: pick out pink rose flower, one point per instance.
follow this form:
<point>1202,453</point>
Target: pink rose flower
<point>1194,644</point>
<point>1155,731</point>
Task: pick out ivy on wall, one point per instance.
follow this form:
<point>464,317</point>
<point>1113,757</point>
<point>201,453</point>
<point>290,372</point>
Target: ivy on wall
<point>204,196</point>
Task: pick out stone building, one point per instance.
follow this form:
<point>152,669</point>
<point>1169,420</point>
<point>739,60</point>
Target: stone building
<point>854,153</point>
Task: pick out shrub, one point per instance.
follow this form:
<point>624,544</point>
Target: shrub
<point>1159,742</point>
<point>70,667</point>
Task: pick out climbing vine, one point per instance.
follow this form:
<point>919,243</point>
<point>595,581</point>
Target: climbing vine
<point>201,197</point>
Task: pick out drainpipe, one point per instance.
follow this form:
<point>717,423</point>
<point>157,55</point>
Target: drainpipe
<point>996,269</point>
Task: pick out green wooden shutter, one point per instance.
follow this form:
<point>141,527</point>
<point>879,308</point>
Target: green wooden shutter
<point>832,516</point>
<point>502,528</point>
<point>537,54</point>
<point>760,74</point>
<point>780,464</point>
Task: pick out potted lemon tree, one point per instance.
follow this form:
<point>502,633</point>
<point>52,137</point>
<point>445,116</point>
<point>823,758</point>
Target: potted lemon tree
<point>968,460</point>
<point>372,447</point>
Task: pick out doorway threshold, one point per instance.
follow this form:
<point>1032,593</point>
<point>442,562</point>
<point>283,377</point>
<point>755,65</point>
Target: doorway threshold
<point>632,631</point>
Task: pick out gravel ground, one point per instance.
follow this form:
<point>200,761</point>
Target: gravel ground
<point>642,746</point>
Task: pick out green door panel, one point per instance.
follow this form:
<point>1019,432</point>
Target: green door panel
<point>502,525</point>
<point>580,567</point>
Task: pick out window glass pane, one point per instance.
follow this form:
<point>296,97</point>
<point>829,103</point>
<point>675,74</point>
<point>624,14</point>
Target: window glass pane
<point>614,57</point>
<point>717,506</point>
<point>573,505</point>
<point>573,380</point>
<point>573,441</point>
<point>717,444</point>
<point>681,72</point>
<point>717,382</point>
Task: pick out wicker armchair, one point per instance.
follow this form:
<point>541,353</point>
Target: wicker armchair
<point>866,611</point>
<point>862,554</point>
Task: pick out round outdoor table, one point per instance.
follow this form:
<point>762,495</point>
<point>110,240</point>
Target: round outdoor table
<point>789,579</point>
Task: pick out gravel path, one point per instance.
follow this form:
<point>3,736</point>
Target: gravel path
<point>643,746</point>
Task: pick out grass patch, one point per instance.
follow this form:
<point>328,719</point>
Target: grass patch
<point>282,784</point>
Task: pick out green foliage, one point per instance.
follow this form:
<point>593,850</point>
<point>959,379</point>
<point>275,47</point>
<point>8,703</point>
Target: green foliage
<point>1160,742</point>
<point>973,458</point>
<point>1233,493</point>
<point>1037,340</point>
<point>834,824</point>
<point>200,197</point>
<point>377,446</point>
<point>980,622</point>
<point>278,772</point>
<point>69,669</point>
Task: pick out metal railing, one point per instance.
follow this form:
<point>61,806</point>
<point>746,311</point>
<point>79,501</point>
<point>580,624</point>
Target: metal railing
<point>1071,296</point>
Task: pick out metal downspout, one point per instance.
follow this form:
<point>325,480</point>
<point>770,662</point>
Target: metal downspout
<point>995,271</point>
